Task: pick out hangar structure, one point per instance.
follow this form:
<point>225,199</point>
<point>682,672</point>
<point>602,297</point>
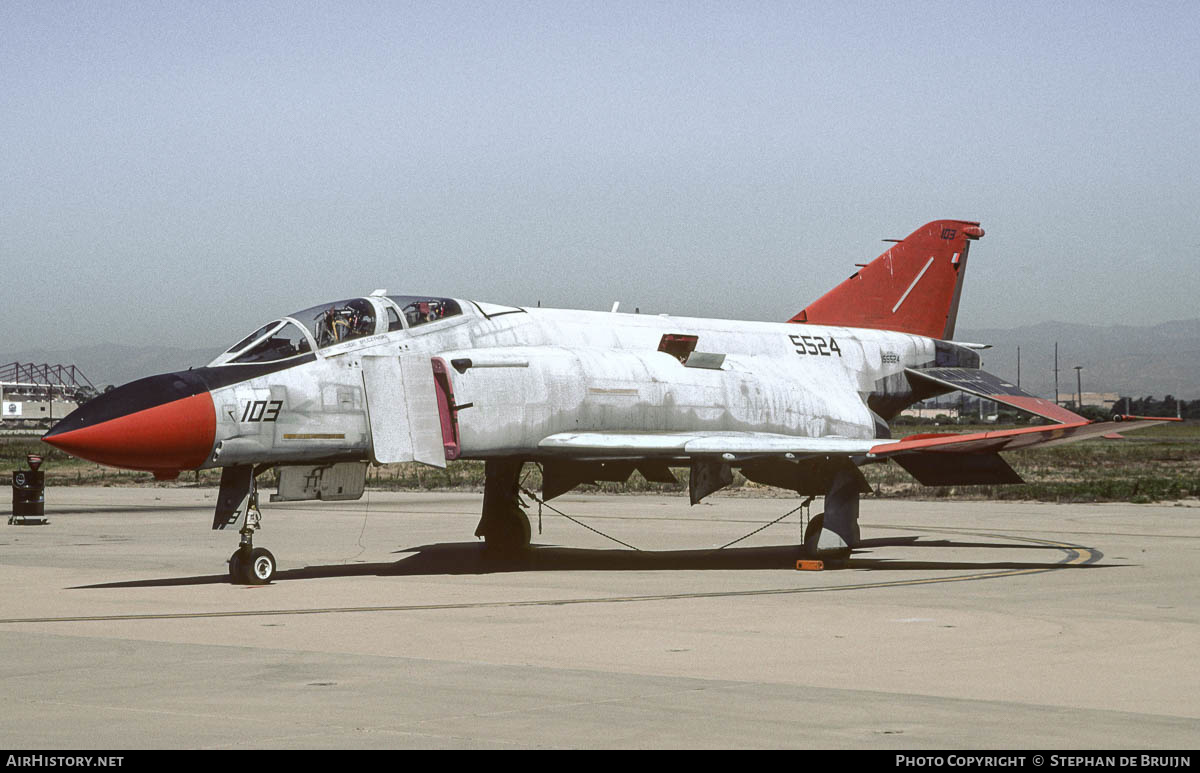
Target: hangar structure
<point>36,395</point>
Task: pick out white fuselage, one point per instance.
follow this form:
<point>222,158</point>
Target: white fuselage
<point>520,375</point>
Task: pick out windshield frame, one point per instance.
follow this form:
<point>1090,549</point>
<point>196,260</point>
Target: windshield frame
<point>230,357</point>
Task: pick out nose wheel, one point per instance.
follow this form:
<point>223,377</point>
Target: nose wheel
<point>255,566</point>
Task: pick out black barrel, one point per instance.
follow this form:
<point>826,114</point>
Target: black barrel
<point>28,494</point>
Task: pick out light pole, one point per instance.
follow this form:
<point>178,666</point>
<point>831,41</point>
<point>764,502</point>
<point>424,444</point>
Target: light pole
<point>1056,373</point>
<point>1078,388</point>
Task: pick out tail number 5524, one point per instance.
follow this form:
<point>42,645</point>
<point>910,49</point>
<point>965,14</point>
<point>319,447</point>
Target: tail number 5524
<point>817,345</point>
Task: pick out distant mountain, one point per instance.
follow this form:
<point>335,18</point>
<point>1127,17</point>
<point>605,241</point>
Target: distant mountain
<point>1156,360</point>
<point>116,364</point>
<point>1138,361</point>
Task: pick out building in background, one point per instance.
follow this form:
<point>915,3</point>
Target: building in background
<point>35,396</point>
<point>1105,400</point>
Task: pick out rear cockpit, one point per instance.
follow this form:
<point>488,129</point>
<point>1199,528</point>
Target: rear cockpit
<point>329,324</point>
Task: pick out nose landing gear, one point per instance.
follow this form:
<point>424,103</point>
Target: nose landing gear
<point>239,495</point>
<point>258,570</point>
<point>250,565</point>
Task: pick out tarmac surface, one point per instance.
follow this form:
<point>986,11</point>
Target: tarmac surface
<point>965,625</point>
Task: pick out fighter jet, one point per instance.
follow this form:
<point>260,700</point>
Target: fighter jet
<point>320,394</point>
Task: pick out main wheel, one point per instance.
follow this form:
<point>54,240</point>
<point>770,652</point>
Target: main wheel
<point>812,534</point>
<point>510,536</point>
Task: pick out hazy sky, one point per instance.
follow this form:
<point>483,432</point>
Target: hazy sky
<point>181,172</point>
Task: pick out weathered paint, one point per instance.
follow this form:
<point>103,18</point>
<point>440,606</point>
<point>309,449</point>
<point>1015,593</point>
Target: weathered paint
<point>538,372</point>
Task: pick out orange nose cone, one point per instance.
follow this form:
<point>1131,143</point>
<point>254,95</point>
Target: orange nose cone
<point>174,435</point>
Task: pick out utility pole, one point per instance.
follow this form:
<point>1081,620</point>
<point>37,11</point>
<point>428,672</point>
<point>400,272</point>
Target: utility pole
<point>1018,367</point>
<point>1078,388</point>
<point>1056,372</point>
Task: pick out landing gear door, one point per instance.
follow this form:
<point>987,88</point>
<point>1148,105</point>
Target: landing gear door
<point>402,410</point>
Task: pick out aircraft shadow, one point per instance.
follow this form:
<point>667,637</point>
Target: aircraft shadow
<point>470,558</point>
<point>109,509</point>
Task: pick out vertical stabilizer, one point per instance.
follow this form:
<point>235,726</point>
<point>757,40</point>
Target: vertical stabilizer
<point>912,288</point>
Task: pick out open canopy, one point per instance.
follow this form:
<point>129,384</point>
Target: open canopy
<point>328,324</point>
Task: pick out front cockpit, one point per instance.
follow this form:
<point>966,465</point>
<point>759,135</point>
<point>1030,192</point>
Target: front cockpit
<point>329,324</point>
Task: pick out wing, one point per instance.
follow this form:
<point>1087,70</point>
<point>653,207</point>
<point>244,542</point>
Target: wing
<point>804,464</point>
<point>682,445</point>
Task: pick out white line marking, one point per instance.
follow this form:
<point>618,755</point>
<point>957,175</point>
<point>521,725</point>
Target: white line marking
<point>914,284</point>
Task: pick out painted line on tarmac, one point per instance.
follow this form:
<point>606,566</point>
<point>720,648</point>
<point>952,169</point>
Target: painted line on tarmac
<point>1076,555</point>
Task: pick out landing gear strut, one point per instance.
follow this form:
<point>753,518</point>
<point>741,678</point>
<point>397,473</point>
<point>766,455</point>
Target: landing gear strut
<point>239,495</point>
<point>504,525</point>
<point>250,565</point>
<point>832,535</point>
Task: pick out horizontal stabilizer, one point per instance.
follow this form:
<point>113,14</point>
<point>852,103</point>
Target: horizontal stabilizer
<point>1008,439</point>
<point>983,384</point>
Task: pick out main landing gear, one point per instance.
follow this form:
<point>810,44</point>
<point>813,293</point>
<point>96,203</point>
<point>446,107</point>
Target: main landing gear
<point>832,535</point>
<point>239,497</point>
<point>503,525</point>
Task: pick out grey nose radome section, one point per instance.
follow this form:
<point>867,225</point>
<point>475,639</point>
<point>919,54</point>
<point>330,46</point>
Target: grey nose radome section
<point>402,410</point>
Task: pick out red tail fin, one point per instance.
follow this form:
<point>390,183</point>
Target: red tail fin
<point>911,288</point>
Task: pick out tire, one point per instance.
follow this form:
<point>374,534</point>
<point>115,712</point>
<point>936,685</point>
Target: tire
<point>261,568</point>
<point>813,533</point>
<point>236,570</point>
<point>258,569</point>
<point>510,536</point>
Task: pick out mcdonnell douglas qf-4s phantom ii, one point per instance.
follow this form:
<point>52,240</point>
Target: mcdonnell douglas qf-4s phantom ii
<point>589,396</point>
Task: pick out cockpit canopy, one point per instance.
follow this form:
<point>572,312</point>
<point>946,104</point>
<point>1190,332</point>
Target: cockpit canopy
<point>334,323</point>
<point>418,309</point>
